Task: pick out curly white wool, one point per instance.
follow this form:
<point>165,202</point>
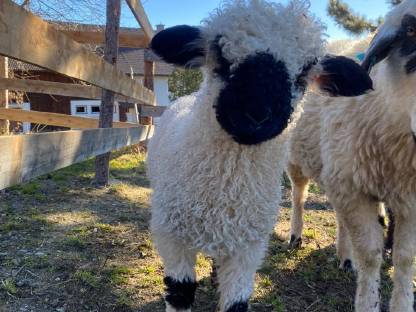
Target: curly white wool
<point>231,188</point>
<point>250,25</point>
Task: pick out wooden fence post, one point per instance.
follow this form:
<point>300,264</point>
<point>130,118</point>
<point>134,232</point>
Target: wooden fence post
<point>4,95</point>
<point>148,82</point>
<point>102,162</point>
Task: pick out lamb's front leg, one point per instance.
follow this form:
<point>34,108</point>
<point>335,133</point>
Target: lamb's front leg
<point>236,278</point>
<point>404,250</point>
<point>360,218</point>
<point>179,267</point>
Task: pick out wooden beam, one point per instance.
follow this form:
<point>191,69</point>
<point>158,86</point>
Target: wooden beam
<point>152,111</point>
<point>53,119</point>
<point>148,81</point>
<point>24,157</point>
<point>138,11</point>
<point>49,87</point>
<point>58,88</point>
<point>28,38</point>
<point>127,39</point>
<point>4,95</point>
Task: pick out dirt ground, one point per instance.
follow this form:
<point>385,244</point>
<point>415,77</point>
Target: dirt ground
<point>67,246</point>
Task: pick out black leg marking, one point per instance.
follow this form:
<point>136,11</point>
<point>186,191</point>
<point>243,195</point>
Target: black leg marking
<point>390,231</point>
<point>214,274</point>
<point>347,266</point>
<point>295,242</point>
<point>180,295</point>
<point>238,307</point>
<point>382,221</point>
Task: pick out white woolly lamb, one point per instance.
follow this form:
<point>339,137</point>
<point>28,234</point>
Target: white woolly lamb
<point>363,150</point>
<point>216,160</point>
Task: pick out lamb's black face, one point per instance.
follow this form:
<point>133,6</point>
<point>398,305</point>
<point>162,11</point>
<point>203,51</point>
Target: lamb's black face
<point>408,45</point>
<point>255,104</point>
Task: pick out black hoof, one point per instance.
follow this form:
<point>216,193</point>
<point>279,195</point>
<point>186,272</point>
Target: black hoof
<point>347,266</point>
<point>238,307</point>
<point>295,242</point>
<point>180,294</point>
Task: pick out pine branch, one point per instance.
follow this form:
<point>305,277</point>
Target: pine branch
<point>349,20</point>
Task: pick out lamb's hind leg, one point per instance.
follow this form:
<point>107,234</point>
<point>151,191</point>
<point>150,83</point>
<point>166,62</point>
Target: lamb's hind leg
<point>179,266</point>
<point>236,278</point>
<point>344,246</point>
<point>404,250</point>
<point>360,219</point>
<point>299,194</point>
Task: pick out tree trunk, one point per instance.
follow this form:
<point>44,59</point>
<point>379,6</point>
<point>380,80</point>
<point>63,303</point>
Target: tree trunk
<point>4,96</point>
<point>102,162</point>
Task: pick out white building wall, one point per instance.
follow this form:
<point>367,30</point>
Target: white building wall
<point>162,91</point>
<point>161,87</point>
<point>90,109</point>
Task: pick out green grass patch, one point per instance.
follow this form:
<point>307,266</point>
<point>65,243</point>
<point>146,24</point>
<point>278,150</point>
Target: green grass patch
<point>118,275</point>
<point>315,189</point>
<point>9,286</point>
<point>75,241</point>
<point>88,278</point>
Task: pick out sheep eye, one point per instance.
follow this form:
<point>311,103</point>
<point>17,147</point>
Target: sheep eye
<point>410,31</point>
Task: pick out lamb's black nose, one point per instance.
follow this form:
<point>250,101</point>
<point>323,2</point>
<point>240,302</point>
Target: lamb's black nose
<point>255,104</point>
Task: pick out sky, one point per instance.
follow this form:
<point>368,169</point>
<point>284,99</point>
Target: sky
<point>175,12</point>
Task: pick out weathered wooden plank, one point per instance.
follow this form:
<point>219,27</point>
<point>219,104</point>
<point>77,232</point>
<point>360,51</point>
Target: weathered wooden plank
<point>50,87</point>
<point>138,11</point>
<point>128,39</point>
<point>58,88</point>
<point>148,81</point>
<point>4,94</point>
<point>24,157</point>
<point>30,39</point>
<point>152,111</point>
<point>54,119</point>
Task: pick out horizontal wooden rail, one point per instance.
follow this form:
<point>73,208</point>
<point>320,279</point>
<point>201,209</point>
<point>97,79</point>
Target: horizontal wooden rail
<point>28,38</point>
<point>53,119</point>
<point>127,39</point>
<point>24,157</point>
<point>138,11</point>
<point>58,88</point>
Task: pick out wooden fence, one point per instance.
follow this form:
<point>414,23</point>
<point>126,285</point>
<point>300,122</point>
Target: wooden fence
<point>28,38</point>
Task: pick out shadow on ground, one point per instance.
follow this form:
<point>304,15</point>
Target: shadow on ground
<point>66,246</point>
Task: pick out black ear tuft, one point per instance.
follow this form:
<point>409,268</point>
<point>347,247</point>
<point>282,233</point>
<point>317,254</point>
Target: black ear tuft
<point>178,45</point>
<point>342,76</point>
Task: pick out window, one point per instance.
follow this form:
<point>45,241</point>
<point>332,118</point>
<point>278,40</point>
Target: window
<point>95,109</point>
<point>81,109</point>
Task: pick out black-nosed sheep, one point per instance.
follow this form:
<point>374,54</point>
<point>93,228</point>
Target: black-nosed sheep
<point>216,159</point>
<point>363,150</point>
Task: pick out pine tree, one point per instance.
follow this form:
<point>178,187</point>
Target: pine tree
<point>184,82</point>
<point>351,21</point>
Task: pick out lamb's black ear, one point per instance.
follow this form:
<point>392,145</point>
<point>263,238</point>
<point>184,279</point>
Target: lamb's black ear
<point>341,76</point>
<point>179,45</point>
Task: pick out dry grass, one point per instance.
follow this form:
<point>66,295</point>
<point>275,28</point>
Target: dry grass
<point>66,246</point>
